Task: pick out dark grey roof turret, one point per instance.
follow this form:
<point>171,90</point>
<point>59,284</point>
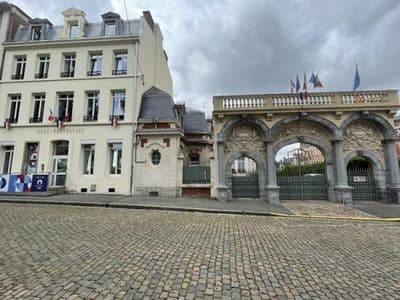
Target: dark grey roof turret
<point>157,104</point>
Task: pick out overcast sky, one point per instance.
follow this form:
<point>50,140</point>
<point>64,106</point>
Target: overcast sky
<point>254,46</point>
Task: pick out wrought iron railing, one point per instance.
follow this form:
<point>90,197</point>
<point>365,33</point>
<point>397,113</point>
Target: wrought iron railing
<point>17,76</point>
<point>119,72</point>
<point>67,74</point>
<point>196,174</point>
<point>41,75</point>
<point>93,73</point>
<point>90,118</point>
<point>35,120</point>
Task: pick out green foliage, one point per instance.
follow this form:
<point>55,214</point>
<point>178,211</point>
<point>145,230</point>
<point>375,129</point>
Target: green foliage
<point>315,168</point>
<point>359,162</point>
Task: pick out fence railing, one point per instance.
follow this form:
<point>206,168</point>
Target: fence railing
<point>196,174</point>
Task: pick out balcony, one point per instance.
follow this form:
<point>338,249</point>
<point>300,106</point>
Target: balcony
<point>118,117</point>
<point>93,73</point>
<point>67,74</point>
<point>119,72</point>
<point>196,175</point>
<point>41,76</point>
<point>90,118</point>
<point>35,120</point>
<point>12,120</point>
<point>327,101</point>
<point>17,77</point>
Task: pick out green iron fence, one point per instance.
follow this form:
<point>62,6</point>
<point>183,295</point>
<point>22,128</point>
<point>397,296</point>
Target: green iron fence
<point>196,174</point>
<point>363,183</point>
<point>245,186</point>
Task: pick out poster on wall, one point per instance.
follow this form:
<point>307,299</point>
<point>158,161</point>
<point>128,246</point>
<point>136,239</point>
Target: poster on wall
<point>4,181</point>
<point>39,183</point>
<point>16,184</point>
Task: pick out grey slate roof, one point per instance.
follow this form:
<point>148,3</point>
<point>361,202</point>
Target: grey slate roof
<point>194,121</point>
<point>91,30</point>
<point>157,104</point>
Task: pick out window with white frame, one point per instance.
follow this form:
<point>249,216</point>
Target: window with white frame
<point>65,105</point>
<point>36,33</point>
<point>95,64</point>
<point>69,65</point>
<point>38,108</point>
<point>7,158</point>
<point>118,107</point>
<point>88,159</point>
<point>120,63</point>
<point>115,153</point>
<point>73,31</point>
<point>92,106</point>
<point>110,28</point>
<point>20,63</point>
<point>15,105</point>
<point>43,67</point>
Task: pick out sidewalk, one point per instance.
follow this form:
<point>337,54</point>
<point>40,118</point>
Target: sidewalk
<point>240,206</point>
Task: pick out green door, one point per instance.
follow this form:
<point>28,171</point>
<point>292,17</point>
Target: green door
<point>245,186</point>
<point>363,183</point>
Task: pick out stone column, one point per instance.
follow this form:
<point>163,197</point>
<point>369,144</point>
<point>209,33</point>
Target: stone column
<point>343,192</point>
<point>392,171</point>
<point>221,186</point>
<point>272,186</point>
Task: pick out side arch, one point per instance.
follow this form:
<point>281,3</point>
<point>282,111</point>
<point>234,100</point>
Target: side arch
<point>385,127</point>
<point>334,130</point>
<point>245,120</point>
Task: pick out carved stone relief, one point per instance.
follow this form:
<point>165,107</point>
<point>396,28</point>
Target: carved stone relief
<point>302,127</point>
<point>244,137</point>
<point>361,135</point>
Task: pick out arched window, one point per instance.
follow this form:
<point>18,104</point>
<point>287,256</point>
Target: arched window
<point>155,157</point>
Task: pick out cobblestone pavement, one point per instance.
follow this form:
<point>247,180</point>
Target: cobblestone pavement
<point>323,208</point>
<point>52,252</point>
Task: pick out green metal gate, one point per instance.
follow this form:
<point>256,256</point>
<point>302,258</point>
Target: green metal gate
<point>302,178</point>
<point>363,183</point>
<point>245,186</point>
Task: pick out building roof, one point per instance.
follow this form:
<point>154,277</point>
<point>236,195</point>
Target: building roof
<point>157,104</point>
<point>194,121</point>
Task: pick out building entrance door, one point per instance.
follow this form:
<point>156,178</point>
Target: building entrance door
<point>59,170</point>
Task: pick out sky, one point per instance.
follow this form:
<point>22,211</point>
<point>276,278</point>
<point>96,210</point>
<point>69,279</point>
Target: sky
<point>226,47</point>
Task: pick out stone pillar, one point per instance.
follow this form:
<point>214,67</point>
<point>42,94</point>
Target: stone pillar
<point>343,192</point>
<point>392,171</point>
<point>222,189</point>
<point>272,186</point>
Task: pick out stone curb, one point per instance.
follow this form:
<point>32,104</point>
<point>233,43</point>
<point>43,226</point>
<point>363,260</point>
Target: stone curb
<point>200,210</point>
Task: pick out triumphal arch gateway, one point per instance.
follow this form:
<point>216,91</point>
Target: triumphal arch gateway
<point>347,127</point>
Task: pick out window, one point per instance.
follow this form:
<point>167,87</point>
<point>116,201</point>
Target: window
<point>88,159</point>
<point>73,31</point>
<point>95,63</point>
<point>69,65</point>
<point>155,157</point>
<point>241,165</point>
<point>110,28</point>
<point>65,104</point>
<point>43,69</point>
<point>60,148</point>
<point>36,33</point>
<point>92,106</point>
<point>15,104</point>
<point>194,160</point>
<point>118,105</point>
<point>120,63</point>
<point>38,108</point>
<point>8,155</point>
<point>20,63</point>
<point>115,158</point>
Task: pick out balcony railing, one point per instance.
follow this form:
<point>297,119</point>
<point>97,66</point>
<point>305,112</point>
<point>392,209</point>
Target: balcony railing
<point>119,72</point>
<point>274,102</point>
<point>41,75</point>
<point>93,73</point>
<point>67,74</point>
<point>35,120</point>
<point>12,120</point>
<point>90,118</point>
<point>118,117</point>
<point>17,77</point>
<point>196,174</point>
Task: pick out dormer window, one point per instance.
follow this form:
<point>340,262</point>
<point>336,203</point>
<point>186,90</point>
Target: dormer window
<point>110,28</point>
<point>73,31</point>
<point>36,33</point>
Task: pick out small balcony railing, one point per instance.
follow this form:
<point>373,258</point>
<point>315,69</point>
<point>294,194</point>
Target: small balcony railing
<point>196,174</point>
<point>90,118</point>
<point>93,73</point>
<point>67,74</point>
<point>41,75</point>
<point>118,117</point>
<point>35,120</point>
<point>12,120</point>
<point>119,72</point>
<point>17,77</point>
<point>63,119</point>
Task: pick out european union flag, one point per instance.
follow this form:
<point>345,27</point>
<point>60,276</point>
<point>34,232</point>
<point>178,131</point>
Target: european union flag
<point>356,80</point>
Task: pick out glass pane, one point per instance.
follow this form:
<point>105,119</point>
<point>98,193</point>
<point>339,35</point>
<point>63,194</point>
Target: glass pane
<point>61,148</point>
<point>73,31</point>
<point>61,165</point>
<point>60,180</point>
<point>110,29</point>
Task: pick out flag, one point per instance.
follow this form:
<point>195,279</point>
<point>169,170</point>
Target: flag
<point>317,82</point>
<point>305,83</point>
<point>7,125</point>
<point>356,79</point>
<point>292,86</point>
<point>312,79</point>
<point>297,84</point>
<point>66,117</point>
<point>51,116</point>
<point>114,121</point>
<point>60,123</point>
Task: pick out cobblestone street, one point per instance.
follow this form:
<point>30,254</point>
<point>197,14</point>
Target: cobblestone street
<point>52,252</point>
